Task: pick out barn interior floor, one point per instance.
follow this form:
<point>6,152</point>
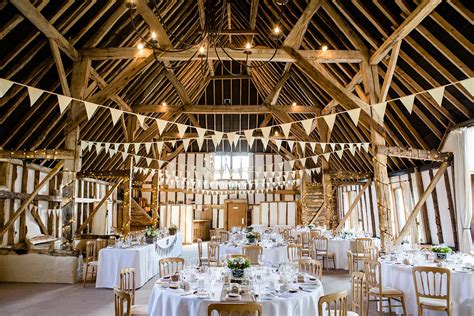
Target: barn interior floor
<point>72,299</point>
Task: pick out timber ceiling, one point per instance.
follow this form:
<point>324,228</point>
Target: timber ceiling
<point>437,52</point>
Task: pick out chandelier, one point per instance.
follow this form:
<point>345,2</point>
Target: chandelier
<point>208,39</point>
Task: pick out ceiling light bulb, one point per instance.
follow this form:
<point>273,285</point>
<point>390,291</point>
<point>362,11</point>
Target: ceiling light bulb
<point>163,103</point>
<point>140,46</point>
<point>294,104</point>
<point>276,30</point>
<point>202,50</point>
<point>153,35</point>
<point>324,48</point>
<point>248,46</point>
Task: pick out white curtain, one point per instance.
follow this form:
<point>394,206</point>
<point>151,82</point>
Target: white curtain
<point>463,153</point>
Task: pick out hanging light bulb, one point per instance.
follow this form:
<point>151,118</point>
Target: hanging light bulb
<point>140,46</point>
<point>202,51</point>
<point>324,48</point>
<point>248,48</point>
<point>293,104</point>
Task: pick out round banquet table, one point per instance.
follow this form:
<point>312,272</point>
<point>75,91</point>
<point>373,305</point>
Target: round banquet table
<point>168,302</point>
<point>274,255</point>
<point>400,276</point>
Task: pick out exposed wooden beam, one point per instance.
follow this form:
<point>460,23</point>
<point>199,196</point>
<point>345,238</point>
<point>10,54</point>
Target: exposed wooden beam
<point>419,204</point>
<point>392,64</point>
<point>223,109</point>
<point>352,207</point>
<point>138,207</point>
<point>415,18</point>
<point>415,153</point>
<point>258,54</point>
<point>253,14</point>
<point>98,206</point>
<point>49,154</point>
<point>4,194</point>
<point>202,14</point>
<point>295,37</point>
<point>272,98</point>
<point>60,67</point>
<point>155,26</point>
<point>26,202</point>
<point>38,220</point>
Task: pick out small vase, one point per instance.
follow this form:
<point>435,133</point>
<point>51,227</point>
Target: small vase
<point>251,240</point>
<point>150,240</point>
<point>172,232</point>
<point>238,273</point>
<point>441,256</point>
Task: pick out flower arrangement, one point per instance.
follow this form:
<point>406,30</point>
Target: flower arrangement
<point>237,266</point>
<point>249,229</point>
<point>441,251</point>
<point>173,229</point>
<point>310,226</point>
<point>251,236</point>
<point>346,234</point>
<point>150,234</point>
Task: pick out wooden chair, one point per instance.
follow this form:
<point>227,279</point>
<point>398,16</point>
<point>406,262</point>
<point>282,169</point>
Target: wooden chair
<point>170,266</point>
<point>320,250</point>
<point>311,266</point>
<point>350,262</point>
<point>304,241</point>
<point>357,291</point>
<point>373,277</point>
<point>314,233</point>
<point>99,244</point>
<point>433,288</point>
<point>371,253</point>
<point>91,262</point>
<point>216,239</point>
<point>124,307</point>
<point>202,259</point>
<point>224,236</point>
<point>112,241</point>
<point>249,309</point>
<point>360,245</point>
<point>285,233</point>
<point>334,304</point>
<point>212,254</point>
<point>127,282</point>
<point>253,251</point>
<point>294,252</point>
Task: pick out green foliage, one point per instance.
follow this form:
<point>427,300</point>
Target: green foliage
<point>238,263</point>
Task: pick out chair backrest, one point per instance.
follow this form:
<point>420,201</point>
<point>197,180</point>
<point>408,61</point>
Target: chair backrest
<point>90,250</point>
<point>112,241</point>
<point>170,266</point>
<point>293,252</point>
<point>239,255</point>
<point>357,289</point>
<point>127,282</point>
<point>371,253</point>
<point>373,274</point>
<point>320,244</point>
<point>311,266</point>
<point>249,309</point>
<point>123,303</point>
<point>253,251</point>
<point>333,304</point>
<point>212,252</point>
<point>362,243</point>
<point>304,239</point>
<point>199,246</point>
<point>313,233</point>
<point>350,261</point>
<point>432,282</point>
<point>285,233</point>
<point>224,235</point>
<point>215,239</point>
<point>99,244</point>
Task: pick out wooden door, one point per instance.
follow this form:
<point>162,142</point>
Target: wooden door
<point>236,214</point>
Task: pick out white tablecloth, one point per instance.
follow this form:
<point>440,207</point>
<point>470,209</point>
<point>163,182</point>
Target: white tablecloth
<point>143,258</point>
<point>462,288</point>
<point>274,255</point>
<point>340,247</point>
<point>167,302</point>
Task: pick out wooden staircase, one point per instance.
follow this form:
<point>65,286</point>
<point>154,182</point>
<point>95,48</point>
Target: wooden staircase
<point>140,218</point>
<point>312,204</point>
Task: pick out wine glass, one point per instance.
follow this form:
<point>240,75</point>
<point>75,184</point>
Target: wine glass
<point>260,259</point>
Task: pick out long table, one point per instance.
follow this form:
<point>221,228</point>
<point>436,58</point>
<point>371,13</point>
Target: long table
<point>144,259</point>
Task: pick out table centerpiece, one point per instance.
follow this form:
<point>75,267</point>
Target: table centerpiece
<point>237,266</point>
<point>251,237</point>
<point>441,251</point>
<point>172,229</point>
<point>150,234</point>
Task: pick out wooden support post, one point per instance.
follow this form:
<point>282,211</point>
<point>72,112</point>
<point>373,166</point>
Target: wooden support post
<point>97,207</point>
<point>318,213</point>
<point>50,154</point>
<point>420,202</point>
<point>38,220</point>
<point>434,196</point>
<point>352,206</point>
<point>127,202</point>
<point>424,210</point>
<point>155,205</point>
<point>25,203</point>
<point>452,209</point>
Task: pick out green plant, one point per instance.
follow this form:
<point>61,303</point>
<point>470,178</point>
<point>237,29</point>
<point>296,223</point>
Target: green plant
<point>440,249</point>
<point>173,227</point>
<point>238,263</point>
<point>150,232</point>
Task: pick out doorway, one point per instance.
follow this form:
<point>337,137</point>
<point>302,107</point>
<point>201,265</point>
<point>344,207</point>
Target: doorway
<point>235,213</point>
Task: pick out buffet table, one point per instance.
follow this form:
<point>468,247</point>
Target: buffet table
<point>144,259</point>
<point>176,302</point>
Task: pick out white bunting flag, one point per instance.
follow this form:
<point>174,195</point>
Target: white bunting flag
<point>200,142</point>
<point>266,132</point>
<point>307,125</point>
<point>98,148</point>
<point>63,102</point>
<point>352,149</point>
<point>333,146</point>
<point>147,147</point>
<point>159,146</point>
<point>236,140</point>
<point>326,156</point>
<point>124,156</point>
<point>148,161</point>
<point>84,146</point>
<point>5,85</point>
<point>303,161</point>
<point>408,102</point>
<point>112,153</point>
<point>380,108</point>
<point>34,95</point>
<point>278,143</point>
<point>181,129</point>
<point>366,146</point>
<point>141,120</point>
<point>116,146</point>
<point>186,143</point>
<point>468,84</point>
<point>354,115</point>
<point>90,109</point>
<point>437,94</point>
<point>286,129</point>
<point>291,144</point>
<point>248,135</point>
<point>89,144</point>
<point>330,119</point>
<point>323,146</point>
<point>315,159</point>
<point>340,152</point>
<point>107,146</point>
<point>292,163</point>
<point>115,114</point>
<point>201,132</point>
<point>161,125</point>
<point>126,146</point>
<point>264,142</point>
<point>231,137</point>
<point>137,147</point>
<point>217,138</point>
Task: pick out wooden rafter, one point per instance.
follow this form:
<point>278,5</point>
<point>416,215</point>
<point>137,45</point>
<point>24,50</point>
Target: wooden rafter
<point>415,153</point>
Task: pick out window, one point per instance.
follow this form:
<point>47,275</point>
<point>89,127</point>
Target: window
<point>231,166</point>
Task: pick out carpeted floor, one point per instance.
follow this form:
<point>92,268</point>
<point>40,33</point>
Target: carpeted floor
<point>66,300</point>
